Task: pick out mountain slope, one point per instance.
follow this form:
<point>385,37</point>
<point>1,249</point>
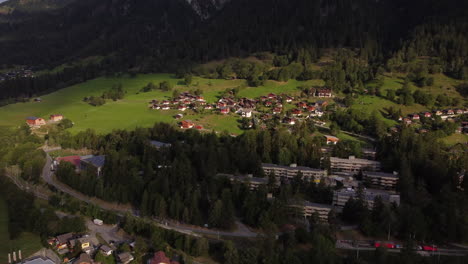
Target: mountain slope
<point>156,34</point>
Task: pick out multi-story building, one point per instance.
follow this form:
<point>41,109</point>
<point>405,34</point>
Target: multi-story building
<point>307,209</point>
<point>342,196</point>
<point>353,164</point>
<point>380,179</point>
<point>289,172</point>
<point>252,182</point>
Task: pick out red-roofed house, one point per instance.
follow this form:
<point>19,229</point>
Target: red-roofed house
<point>186,124</point>
<point>35,121</point>
<point>271,95</point>
<point>224,111</point>
<point>296,112</point>
<point>331,140</point>
<point>427,114</point>
<point>56,118</point>
<point>160,258</point>
<point>323,92</point>
<point>75,160</point>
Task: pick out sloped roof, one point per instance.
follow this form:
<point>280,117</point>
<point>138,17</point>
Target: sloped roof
<point>96,161</point>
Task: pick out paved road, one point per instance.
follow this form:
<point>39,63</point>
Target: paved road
<point>48,177</point>
<point>350,133</point>
<point>365,246</point>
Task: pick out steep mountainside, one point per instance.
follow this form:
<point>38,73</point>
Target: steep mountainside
<point>156,34</point>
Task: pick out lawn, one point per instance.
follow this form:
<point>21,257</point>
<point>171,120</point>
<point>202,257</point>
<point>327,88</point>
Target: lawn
<point>28,243</point>
<point>442,85</point>
<point>132,111</point>
<point>455,139</point>
<point>367,104</point>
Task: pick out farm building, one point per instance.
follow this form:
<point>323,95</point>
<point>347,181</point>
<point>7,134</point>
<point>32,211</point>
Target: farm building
<point>35,121</point>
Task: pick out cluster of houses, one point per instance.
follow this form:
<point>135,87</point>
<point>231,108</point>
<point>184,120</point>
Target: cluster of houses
<point>83,163</point>
<point>69,242</point>
<point>20,73</point>
<point>342,171</point>
<point>443,114</point>
<point>33,121</point>
<point>183,102</point>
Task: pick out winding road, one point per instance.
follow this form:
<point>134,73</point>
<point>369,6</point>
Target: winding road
<point>48,177</point>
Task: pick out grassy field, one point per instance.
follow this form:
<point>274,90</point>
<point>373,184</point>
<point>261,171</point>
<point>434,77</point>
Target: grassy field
<point>455,139</point>
<point>28,243</point>
<point>132,111</point>
<point>442,85</point>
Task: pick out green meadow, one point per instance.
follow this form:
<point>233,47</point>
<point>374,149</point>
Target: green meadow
<point>133,110</point>
<point>28,243</point>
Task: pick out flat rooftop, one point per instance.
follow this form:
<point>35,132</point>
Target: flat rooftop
<point>301,168</point>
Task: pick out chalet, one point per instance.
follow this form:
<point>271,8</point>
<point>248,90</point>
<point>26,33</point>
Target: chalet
<point>200,99</point>
<point>246,113</point>
<point>450,112</point>
<point>61,241</point>
<point>407,121</point>
<point>263,98</point>
<point>94,163</point>
<point>296,112</point>
<point>85,244</point>
<point>415,117</point>
<point>277,110</point>
<point>427,114</point>
<point>221,105</point>
<point>155,106</point>
<point>105,250</point>
<point>438,113</point>
<point>165,102</point>
<point>84,259</point>
<point>165,107</point>
<point>186,124</point>
<point>125,258</point>
<point>311,108</point>
<point>289,99</point>
<point>331,140</point>
<point>178,116</point>
<point>323,92</point>
<point>271,95</point>
<point>35,121</point>
<point>459,111</point>
<point>208,107</point>
<point>56,118</point>
<point>181,108</point>
<point>289,121</point>
<point>224,111</point>
<point>160,258</point>
<point>302,105</point>
<point>268,103</point>
<point>322,103</point>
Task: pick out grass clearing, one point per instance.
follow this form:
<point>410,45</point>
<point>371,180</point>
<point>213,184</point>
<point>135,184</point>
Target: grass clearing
<point>455,139</point>
<point>132,111</point>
